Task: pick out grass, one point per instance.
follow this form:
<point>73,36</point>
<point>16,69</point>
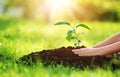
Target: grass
<point>19,37</point>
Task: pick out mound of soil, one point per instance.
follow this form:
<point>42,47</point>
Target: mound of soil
<point>66,57</point>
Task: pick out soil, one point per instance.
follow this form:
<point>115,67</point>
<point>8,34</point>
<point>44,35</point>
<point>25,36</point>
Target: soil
<point>66,57</point>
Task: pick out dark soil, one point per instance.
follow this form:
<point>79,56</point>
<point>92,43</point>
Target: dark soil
<point>66,57</point>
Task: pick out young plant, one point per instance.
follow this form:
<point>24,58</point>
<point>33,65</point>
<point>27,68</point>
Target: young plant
<point>72,33</point>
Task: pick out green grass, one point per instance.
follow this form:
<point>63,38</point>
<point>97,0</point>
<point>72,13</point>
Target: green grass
<point>18,38</point>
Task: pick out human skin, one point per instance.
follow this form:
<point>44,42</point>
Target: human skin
<point>106,47</point>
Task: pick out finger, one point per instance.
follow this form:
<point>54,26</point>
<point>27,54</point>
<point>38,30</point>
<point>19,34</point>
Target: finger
<point>76,50</point>
<point>77,53</point>
<point>80,55</point>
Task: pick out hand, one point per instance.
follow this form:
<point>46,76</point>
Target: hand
<point>86,52</point>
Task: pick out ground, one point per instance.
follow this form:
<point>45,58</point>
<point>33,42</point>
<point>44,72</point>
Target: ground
<point>21,37</point>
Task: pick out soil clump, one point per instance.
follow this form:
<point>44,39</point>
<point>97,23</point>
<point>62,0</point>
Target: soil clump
<point>66,57</point>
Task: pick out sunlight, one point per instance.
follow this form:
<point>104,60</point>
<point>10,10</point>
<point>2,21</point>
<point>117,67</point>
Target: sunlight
<point>58,8</point>
<point>59,4</point>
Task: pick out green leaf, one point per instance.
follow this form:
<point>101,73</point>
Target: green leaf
<point>79,41</point>
<point>62,23</point>
<point>75,44</point>
<point>74,37</point>
<point>83,25</point>
<point>70,32</point>
<point>69,37</point>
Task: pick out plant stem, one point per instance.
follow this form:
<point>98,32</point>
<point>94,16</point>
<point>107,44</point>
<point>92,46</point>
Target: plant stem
<point>76,36</point>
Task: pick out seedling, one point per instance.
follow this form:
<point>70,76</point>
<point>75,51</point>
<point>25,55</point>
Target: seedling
<point>72,33</point>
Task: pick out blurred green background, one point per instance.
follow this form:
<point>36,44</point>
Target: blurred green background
<point>51,10</point>
<point>27,26</point>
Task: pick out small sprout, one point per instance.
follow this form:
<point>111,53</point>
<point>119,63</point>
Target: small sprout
<point>72,34</point>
